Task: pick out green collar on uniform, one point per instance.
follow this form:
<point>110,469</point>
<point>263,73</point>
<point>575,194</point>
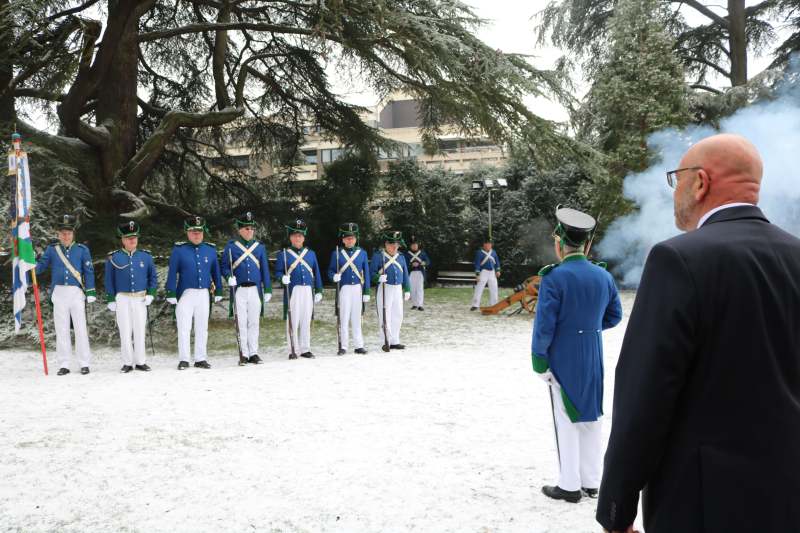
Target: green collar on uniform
<point>246,243</point>
<point>577,256</point>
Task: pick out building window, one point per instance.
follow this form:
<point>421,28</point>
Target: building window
<point>448,145</point>
<point>309,157</point>
<point>331,155</point>
<point>235,161</point>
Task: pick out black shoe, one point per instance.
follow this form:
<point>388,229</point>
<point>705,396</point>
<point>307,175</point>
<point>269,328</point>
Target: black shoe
<point>397,346</point>
<point>589,493</point>
<point>362,351</point>
<point>183,365</point>
<point>143,368</point>
<point>557,493</point>
<point>255,359</point>
<point>413,307</point>
<point>307,355</point>
<point>62,372</point>
<point>292,356</point>
<point>202,364</point>
<point>473,308</point>
<point>85,370</point>
<point>243,360</point>
<point>420,308</point>
<point>341,351</point>
<point>126,368</point>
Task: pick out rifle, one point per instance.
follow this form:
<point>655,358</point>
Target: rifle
<point>336,307</point>
<point>385,346</point>
<point>287,295</point>
<point>235,312</point>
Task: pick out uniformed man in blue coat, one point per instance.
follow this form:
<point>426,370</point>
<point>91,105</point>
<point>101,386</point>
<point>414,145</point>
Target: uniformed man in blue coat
<point>577,301</point>
<point>390,275</point>
<point>193,277</point>
<point>349,269</point>
<point>418,263</point>
<point>131,284</point>
<point>487,271</point>
<point>245,264</point>
<point>71,284</point>
<point>298,269</point>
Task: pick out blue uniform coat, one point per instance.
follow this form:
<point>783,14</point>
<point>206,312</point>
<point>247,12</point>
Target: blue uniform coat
<point>577,300</point>
<point>126,272</point>
<point>395,274</point>
<point>489,264</point>
<point>193,267</point>
<point>423,255</point>
<point>361,262</point>
<point>79,257</point>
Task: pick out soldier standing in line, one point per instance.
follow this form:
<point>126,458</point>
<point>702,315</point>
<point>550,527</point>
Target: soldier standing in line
<point>349,269</point>
<point>131,284</point>
<point>71,287</point>
<point>193,276</point>
<point>391,272</point>
<point>245,264</point>
<point>487,270</point>
<point>418,263</point>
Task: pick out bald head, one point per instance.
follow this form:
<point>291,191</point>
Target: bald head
<point>728,170</point>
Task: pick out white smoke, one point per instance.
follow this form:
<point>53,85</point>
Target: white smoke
<point>773,126</point>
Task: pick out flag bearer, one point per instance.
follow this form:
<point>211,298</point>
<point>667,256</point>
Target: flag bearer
<point>391,273</point>
<point>487,270</point>
<point>577,301</point>
<point>131,284</point>
<point>245,264</point>
<point>349,269</point>
<point>192,278</point>
<point>418,263</point>
<point>71,287</point>
<point>298,270</point>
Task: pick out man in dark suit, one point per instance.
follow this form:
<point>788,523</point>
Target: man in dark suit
<point>706,417</point>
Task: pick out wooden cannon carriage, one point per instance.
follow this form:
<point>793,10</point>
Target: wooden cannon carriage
<point>526,294</point>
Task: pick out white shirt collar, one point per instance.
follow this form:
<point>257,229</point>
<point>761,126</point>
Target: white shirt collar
<point>720,208</point>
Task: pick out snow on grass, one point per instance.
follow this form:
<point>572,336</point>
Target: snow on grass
<point>453,434</point>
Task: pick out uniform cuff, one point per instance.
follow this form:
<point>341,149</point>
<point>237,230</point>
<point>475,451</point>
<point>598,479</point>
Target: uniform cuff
<point>318,290</point>
<point>540,365</point>
<point>110,298</point>
<point>268,290</point>
<point>171,294</point>
<point>91,292</point>
<point>365,292</point>
<point>152,292</point>
<point>218,292</point>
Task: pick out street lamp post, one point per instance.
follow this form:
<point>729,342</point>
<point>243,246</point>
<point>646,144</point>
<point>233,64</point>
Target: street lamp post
<point>489,184</point>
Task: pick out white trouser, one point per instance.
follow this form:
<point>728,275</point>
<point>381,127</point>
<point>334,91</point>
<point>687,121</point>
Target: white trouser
<point>350,314</point>
<point>394,311</point>
<point>581,448</point>
<point>69,302</point>
<point>417,287</point>
<point>194,303</point>
<point>302,307</point>
<point>486,276</point>
<point>248,312</point>
<point>131,321</point>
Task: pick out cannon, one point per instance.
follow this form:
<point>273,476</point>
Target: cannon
<point>526,294</point>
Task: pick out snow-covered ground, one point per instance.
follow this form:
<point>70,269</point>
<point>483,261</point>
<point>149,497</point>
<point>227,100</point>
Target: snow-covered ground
<point>454,434</point>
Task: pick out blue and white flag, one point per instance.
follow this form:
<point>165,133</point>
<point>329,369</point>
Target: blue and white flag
<point>19,212</point>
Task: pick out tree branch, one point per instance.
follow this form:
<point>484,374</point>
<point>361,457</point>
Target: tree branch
<point>136,171</point>
<point>210,26</point>
<point>705,88</point>
<point>707,12</point>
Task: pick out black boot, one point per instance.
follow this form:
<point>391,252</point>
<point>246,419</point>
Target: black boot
<point>255,359</point>
<point>362,351</point>
<point>62,372</point>
<point>183,365</point>
<point>473,308</point>
<point>85,370</point>
<point>202,364</point>
<point>292,356</point>
<point>126,368</point>
<point>413,307</point>
<point>143,368</point>
<point>557,493</point>
<point>243,360</point>
<point>307,355</point>
<point>341,351</point>
<point>589,493</point>
<point>397,346</point>
<point>420,308</point>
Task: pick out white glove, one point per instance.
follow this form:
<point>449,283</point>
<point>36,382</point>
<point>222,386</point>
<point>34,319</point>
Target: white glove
<point>547,377</point>
<point>217,299</point>
<point>406,296</point>
<point>317,297</point>
<point>365,298</point>
<point>382,278</point>
<point>173,301</point>
<point>286,279</point>
<point>91,299</point>
<point>148,299</point>
<point>232,281</point>
<point>112,306</point>
<point>267,297</point>
<point>337,278</point>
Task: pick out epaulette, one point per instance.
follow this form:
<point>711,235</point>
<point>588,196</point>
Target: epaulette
<point>148,252</point>
<point>601,264</point>
<point>180,243</point>
<point>211,244</point>
<point>547,269</point>
<point>112,252</point>
<point>82,246</point>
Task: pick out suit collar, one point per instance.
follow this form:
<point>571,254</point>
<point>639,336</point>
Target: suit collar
<point>736,213</point>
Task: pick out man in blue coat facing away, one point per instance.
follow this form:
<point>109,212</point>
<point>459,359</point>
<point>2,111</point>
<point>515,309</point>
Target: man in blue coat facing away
<point>577,300</point>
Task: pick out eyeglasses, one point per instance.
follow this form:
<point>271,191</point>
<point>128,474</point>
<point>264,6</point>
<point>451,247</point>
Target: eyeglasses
<point>672,175</point>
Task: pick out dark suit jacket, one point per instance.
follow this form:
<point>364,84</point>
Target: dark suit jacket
<point>707,396</point>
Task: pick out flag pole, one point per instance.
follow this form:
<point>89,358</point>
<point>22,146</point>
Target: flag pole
<point>16,141</point>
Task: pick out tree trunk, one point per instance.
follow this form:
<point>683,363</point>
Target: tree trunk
<point>8,113</point>
<point>117,111</point>
<point>737,42</point>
